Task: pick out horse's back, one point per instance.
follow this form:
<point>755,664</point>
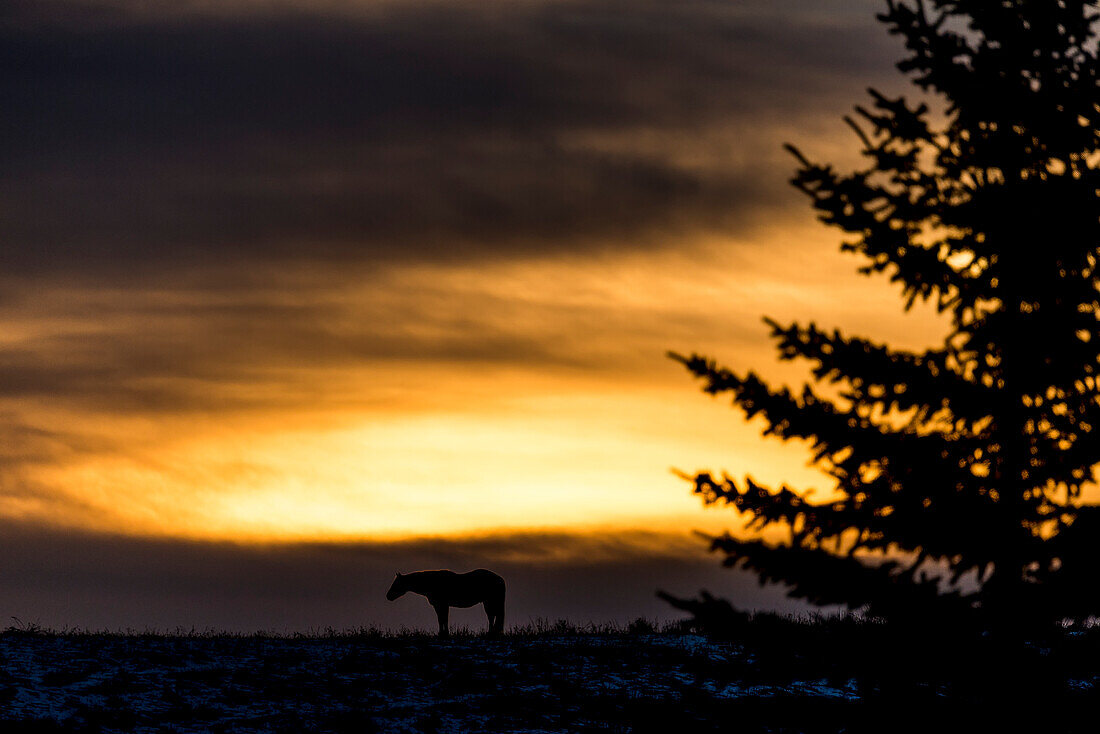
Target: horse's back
<point>474,587</point>
<point>485,581</point>
<point>458,589</point>
<point>485,576</point>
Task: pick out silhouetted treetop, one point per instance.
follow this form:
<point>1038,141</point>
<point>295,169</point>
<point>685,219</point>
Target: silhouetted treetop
<point>968,458</point>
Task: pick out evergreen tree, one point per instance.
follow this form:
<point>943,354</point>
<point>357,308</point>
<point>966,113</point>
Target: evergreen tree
<point>965,462</point>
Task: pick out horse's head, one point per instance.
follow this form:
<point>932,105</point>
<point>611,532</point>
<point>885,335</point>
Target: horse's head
<point>397,588</point>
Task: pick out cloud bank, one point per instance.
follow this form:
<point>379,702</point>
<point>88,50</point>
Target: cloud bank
<point>303,211</point>
<point>148,144</point>
<point>199,196</point>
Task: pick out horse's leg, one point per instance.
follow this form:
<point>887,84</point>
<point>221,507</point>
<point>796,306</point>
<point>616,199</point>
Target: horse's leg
<point>494,610</point>
<point>441,612</point>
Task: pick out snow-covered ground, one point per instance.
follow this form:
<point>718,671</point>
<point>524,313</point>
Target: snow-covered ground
<point>370,682</point>
<point>373,682</point>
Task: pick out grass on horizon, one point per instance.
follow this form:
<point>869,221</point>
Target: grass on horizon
<point>537,627</point>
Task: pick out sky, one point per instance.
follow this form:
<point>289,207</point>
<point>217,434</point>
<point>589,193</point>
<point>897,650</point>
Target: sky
<point>294,295</point>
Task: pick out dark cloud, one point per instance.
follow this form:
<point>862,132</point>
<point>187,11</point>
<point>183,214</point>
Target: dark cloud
<point>145,352</point>
<point>145,144</point>
<point>62,579</point>
<point>23,444</point>
<point>188,191</point>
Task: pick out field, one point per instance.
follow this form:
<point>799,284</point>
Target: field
<point>782,676</point>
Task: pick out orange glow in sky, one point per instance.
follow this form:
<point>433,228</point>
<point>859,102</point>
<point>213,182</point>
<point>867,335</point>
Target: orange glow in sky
<point>583,438</point>
<point>369,270</point>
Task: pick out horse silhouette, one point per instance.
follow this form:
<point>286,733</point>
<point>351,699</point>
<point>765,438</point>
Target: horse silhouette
<point>446,589</point>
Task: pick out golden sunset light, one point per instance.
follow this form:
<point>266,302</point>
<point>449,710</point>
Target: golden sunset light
<point>355,272</point>
<point>542,400</point>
